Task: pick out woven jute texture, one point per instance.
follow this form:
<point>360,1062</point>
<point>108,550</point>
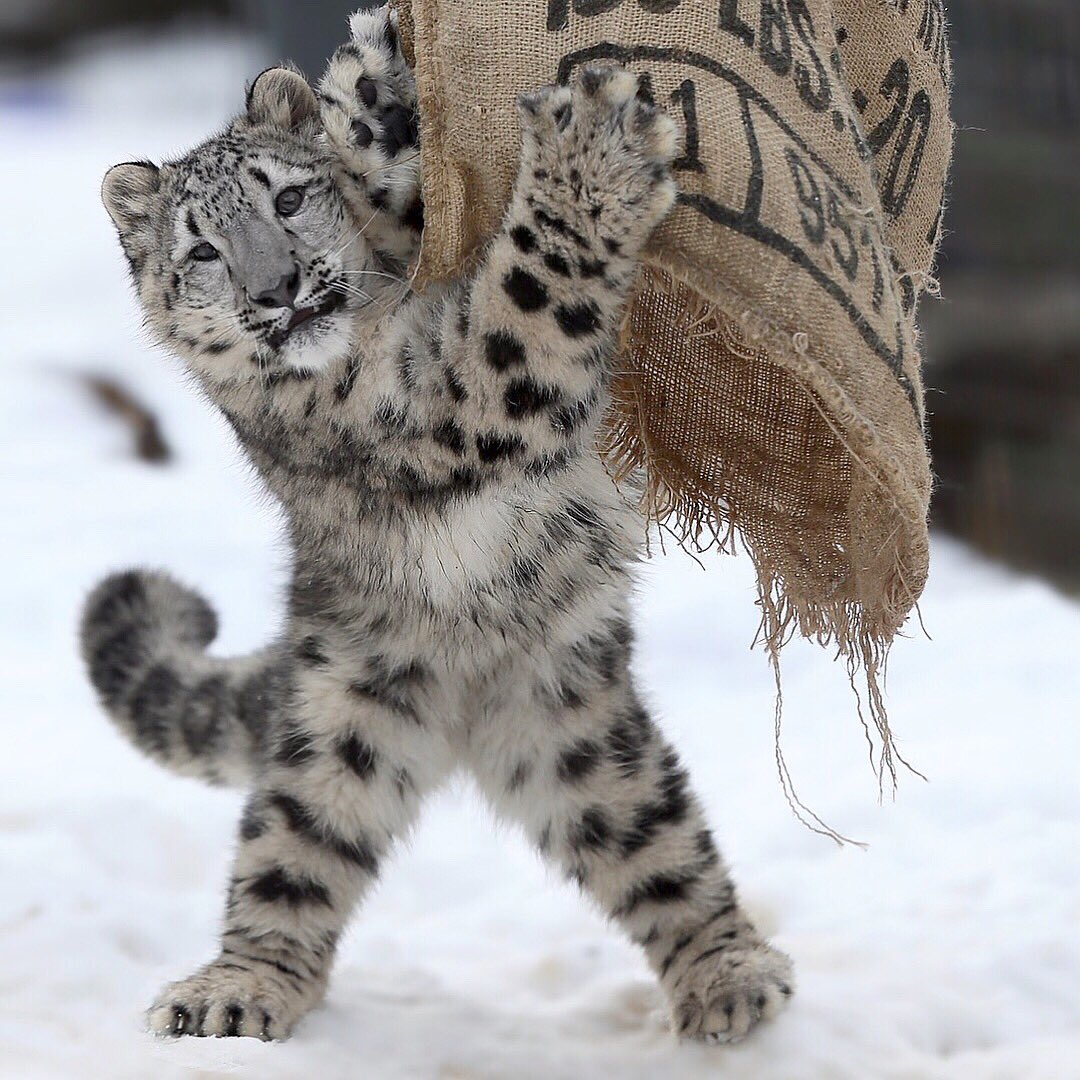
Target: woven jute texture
<point>769,388</point>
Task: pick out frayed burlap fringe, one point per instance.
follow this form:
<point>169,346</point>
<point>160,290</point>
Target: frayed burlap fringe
<point>685,504</point>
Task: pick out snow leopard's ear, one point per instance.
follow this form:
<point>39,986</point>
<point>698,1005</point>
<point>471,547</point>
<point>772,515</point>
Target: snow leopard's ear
<point>128,192</point>
<point>281,97</point>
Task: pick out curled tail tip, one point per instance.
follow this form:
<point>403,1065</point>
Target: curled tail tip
<point>127,620</point>
<point>152,600</point>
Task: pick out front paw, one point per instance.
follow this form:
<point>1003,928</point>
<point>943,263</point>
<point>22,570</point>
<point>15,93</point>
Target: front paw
<point>223,998</point>
<point>721,993</point>
<point>368,97</point>
<point>601,152</point>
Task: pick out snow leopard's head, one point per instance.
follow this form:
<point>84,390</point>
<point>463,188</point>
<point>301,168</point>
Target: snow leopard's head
<point>244,254</point>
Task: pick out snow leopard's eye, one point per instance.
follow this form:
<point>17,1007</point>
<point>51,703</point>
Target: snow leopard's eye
<point>289,201</point>
<point>204,252</point>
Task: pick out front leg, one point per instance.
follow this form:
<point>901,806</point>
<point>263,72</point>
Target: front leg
<point>534,334</point>
<point>345,779</point>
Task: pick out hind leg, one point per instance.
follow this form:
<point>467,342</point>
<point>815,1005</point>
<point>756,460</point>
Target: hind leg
<point>576,759</point>
<point>346,778</point>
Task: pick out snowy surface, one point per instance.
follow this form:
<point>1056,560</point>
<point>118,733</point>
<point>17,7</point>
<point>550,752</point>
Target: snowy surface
<point>950,949</point>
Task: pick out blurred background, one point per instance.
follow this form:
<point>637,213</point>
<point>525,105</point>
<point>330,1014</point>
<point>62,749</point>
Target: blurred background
<point>950,949</point>
<point>1002,346</point>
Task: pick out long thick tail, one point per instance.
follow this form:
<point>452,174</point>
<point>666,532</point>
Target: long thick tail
<point>143,639</point>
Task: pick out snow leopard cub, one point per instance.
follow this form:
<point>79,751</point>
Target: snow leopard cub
<point>462,563</point>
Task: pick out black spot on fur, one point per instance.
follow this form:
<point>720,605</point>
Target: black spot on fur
<point>577,320</point>
<point>495,447</point>
<point>628,738</point>
<point>528,292</point>
<point>548,464</point>
<point>295,748</point>
<point>117,600</point>
<point>557,264</point>
<point>450,435</point>
<point>407,367</point>
<point>503,350</point>
<point>566,419</point>
<point>605,655</point>
<point>705,846</point>
<point>524,573</point>
<point>277,885</point>
<point>669,808</point>
<point>454,384</point>
<point>673,953</point>
<point>556,224</point>
<point>389,685</point>
<point>592,832</point>
<point>345,386</point>
<point>524,397</point>
<point>592,268</point>
<point>524,238</point>
<point>302,820</point>
<point>568,697</point>
<point>578,760</point>
<point>658,889</point>
<point>359,756</point>
<point>391,417</point>
<point>252,823</point>
<point>309,651</point>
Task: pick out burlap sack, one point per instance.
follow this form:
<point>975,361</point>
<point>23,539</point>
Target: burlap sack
<point>769,383</point>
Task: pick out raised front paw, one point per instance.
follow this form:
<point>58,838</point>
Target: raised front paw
<point>720,993</point>
<point>600,154</point>
<point>226,998</point>
<point>368,97</point>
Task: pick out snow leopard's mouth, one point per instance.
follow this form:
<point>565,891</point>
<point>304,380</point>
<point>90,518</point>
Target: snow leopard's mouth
<point>301,316</point>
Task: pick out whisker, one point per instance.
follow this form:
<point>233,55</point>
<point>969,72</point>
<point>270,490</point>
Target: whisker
<point>391,164</point>
<point>375,273</point>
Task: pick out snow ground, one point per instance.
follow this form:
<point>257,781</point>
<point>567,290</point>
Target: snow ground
<point>950,949</point>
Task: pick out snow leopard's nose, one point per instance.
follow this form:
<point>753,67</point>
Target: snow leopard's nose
<point>283,294</point>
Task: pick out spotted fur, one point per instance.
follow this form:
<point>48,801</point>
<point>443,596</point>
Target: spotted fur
<point>462,564</point>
